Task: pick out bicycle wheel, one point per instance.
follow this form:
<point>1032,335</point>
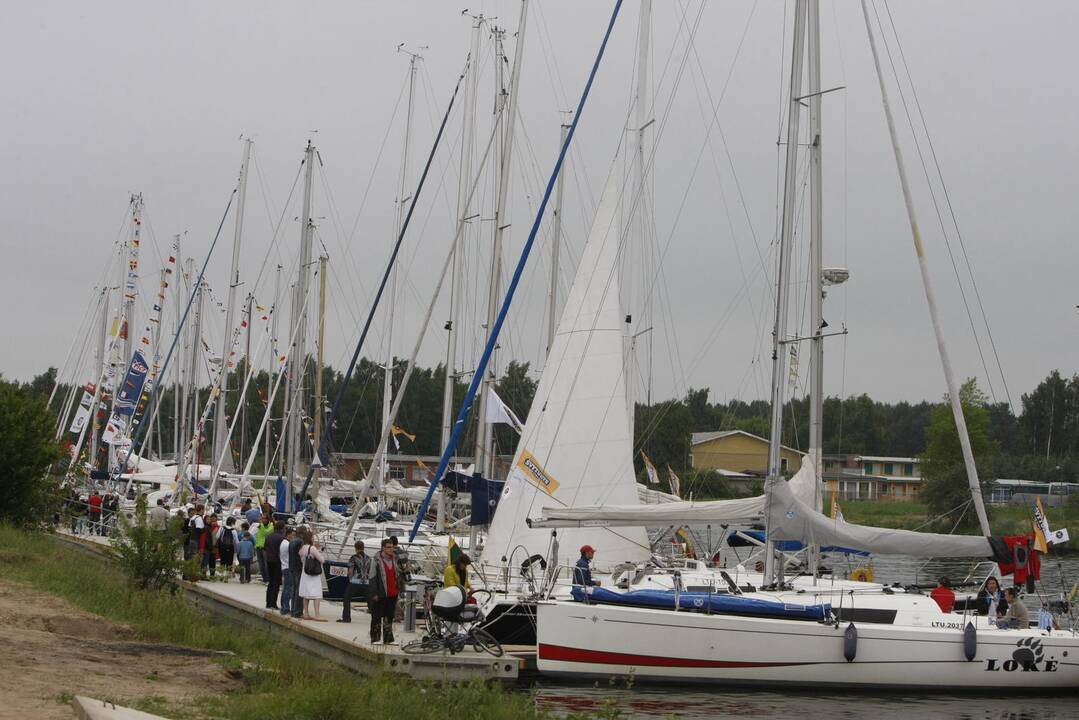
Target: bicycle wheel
<point>424,646</point>
<point>483,641</point>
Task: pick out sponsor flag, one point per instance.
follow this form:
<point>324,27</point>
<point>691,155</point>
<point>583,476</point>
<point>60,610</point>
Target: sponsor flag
<point>83,413</point>
<point>1041,528</point>
<point>123,405</point>
<point>533,472</point>
<point>683,537</point>
<point>837,513</point>
<point>499,412</point>
<point>653,476</point>
<point>676,484</point>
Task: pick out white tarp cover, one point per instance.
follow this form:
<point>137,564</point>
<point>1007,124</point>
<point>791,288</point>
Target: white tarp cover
<point>791,518</point>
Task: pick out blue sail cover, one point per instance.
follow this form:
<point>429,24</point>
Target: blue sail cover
<point>702,602</point>
<point>734,540</point>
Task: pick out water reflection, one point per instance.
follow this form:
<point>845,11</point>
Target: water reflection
<point>691,704</point>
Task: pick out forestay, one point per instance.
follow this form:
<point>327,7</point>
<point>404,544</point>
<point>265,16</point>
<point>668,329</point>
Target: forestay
<point>577,445</point>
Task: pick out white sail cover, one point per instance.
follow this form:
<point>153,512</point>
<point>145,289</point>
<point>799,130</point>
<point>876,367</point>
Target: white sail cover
<point>577,445</point>
<point>791,518</point>
<point>750,509</point>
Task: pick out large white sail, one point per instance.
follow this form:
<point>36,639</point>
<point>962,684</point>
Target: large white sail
<point>577,445</point>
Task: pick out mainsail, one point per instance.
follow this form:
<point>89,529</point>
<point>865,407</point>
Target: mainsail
<point>577,445</point>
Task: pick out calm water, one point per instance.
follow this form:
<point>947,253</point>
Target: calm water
<point>692,702</point>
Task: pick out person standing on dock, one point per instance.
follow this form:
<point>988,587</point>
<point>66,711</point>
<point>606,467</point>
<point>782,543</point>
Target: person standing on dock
<point>94,503</point>
<point>295,567</point>
<point>383,584</point>
<point>311,577</point>
<point>265,527</point>
<point>245,553</point>
<point>288,585</point>
<point>359,570</point>
<point>270,549</point>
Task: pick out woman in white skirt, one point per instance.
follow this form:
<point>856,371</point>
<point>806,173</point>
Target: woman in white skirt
<point>311,583</point>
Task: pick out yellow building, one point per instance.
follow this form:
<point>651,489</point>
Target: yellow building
<point>737,451</point>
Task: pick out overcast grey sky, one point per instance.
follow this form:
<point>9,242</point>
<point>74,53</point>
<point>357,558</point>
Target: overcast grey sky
<point>102,99</point>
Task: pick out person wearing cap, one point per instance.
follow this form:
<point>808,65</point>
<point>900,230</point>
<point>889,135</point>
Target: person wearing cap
<point>582,573</point>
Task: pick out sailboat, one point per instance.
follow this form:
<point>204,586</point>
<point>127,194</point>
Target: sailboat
<point>807,633</point>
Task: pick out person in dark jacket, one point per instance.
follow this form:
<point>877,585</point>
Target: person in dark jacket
<point>273,563</point>
<point>582,573</point>
<point>295,566</point>
<point>359,572</point>
<point>383,585</point>
<point>991,599</point>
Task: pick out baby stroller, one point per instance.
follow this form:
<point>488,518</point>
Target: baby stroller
<point>452,623</point>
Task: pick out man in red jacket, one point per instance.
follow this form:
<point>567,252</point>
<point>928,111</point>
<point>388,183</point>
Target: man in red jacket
<point>943,595</point>
<point>95,513</point>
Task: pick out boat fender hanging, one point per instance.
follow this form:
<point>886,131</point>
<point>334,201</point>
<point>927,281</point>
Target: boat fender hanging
<point>970,641</point>
<point>850,642</point>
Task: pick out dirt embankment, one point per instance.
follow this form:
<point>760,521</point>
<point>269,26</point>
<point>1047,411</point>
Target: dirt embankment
<point>52,650</point>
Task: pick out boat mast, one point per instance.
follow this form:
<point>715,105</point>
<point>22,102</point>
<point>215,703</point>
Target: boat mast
<point>298,330</point>
<point>130,288</point>
<point>319,400</point>
<point>177,378</point>
<point>772,571</point>
<point>468,126</point>
<point>99,361</point>
<point>274,372</point>
<point>930,297</point>
<point>644,36</point>
<point>402,188</point>
<point>507,109</point>
<point>220,425</point>
<point>556,241</point>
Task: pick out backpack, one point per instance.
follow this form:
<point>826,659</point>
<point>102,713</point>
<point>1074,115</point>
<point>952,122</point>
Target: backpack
<point>225,543</point>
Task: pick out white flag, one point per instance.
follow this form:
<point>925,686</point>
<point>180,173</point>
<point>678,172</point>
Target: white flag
<point>499,412</point>
<point>650,469</point>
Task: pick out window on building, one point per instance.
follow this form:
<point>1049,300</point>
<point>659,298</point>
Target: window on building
<point>888,468</point>
<point>868,468</point>
<point>783,464</point>
<point>908,469</point>
<point>397,472</point>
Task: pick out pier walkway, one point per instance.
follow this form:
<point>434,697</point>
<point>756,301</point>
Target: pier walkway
<point>345,644</point>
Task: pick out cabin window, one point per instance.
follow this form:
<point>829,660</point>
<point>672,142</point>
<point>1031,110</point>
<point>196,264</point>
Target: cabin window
<point>783,465</point>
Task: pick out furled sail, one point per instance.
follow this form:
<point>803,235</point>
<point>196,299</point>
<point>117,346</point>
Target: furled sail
<point>577,444</point>
<point>682,512</point>
<point>791,518</point>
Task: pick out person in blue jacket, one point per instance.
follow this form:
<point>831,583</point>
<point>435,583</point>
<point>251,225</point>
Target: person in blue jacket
<point>582,573</point>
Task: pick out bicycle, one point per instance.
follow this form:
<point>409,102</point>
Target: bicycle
<point>445,610</point>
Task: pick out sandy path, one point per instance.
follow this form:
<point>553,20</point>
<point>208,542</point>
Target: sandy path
<point>51,648</point>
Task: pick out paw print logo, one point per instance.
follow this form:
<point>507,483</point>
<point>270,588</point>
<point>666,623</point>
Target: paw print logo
<point>1028,652</point>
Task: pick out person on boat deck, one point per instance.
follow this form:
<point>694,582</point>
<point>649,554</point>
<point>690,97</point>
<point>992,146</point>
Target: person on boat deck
<point>990,599</point>
<point>457,573</point>
<point>582,572</point>
<point>1018,616</point>
<point>944,595</point>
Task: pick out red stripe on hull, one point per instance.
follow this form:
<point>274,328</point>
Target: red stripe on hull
<point>569,654</point>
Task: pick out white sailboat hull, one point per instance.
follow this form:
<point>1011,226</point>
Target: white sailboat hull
<point>603,641</point>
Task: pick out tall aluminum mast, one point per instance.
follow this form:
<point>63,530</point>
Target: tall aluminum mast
<point>387,381</point>
<point>484,436</point>
<point>220,423</point>
<point>779,331</point>
<point>297,354</point>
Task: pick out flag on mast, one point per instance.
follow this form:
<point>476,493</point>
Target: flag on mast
<point>1041,528</point>
<point>499,412</point>
<point>395,431</point>
<point>676,484</point>
<point>837,513</point>
<point>653,476</point>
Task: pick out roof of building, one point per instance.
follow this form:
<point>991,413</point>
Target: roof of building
<point>702,437</point>
<point>884,458</point>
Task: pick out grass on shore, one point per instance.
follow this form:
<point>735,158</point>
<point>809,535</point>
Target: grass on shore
<point>279,682</point>
<point>1004,519</point>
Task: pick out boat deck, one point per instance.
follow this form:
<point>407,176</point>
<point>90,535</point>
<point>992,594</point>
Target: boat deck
<point>346,644</point>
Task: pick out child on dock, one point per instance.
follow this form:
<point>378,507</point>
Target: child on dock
<point>245,553</point>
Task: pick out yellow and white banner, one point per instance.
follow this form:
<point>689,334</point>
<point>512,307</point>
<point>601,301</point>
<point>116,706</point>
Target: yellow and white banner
<point>530,467</point>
